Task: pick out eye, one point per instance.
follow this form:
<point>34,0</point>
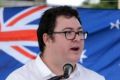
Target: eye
<point>68,32</point>
<point>80,32</point>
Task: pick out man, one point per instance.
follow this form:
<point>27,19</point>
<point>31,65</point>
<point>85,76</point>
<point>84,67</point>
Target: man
<point>61,40</point>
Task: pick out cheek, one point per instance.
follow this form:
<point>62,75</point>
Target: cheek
<point>62,46</point>
<point>58,44</point>
<point>61,42</point>
<point>82,44</point>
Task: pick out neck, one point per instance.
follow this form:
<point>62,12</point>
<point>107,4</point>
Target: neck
<point>53,65</point>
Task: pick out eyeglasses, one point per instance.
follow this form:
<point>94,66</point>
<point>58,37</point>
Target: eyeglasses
<point>70,35</point>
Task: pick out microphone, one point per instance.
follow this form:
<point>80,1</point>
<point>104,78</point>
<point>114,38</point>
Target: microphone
<point>68,69</point>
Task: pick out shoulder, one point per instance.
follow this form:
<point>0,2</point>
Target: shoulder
<point>15,76</point>
<point>92,75</point>
<point>22,72</point>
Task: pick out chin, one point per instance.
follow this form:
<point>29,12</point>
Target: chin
<point>75,59</point>
<point>74,56</point>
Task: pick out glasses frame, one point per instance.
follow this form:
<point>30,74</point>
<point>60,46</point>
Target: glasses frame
<point>75,33</point>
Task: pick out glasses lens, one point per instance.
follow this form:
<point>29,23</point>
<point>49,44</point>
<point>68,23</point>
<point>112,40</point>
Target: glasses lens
<point>69,34</point>
<point>81,34</point>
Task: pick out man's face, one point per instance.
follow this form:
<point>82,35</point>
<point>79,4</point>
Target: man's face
<point>65,50</point>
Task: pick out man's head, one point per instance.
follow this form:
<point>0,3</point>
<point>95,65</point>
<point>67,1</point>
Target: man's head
<point>60,34</point>
<point>48,21</point>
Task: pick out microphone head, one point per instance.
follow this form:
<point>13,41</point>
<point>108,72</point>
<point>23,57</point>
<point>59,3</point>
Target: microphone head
<point>68,69</point>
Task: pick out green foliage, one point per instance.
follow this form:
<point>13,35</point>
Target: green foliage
<point>105,4</point>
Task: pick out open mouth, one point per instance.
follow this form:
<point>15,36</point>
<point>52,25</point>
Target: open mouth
<point>74,48</point>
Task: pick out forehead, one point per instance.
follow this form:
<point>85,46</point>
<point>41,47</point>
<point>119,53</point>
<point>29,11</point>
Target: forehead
<point>63,22</point>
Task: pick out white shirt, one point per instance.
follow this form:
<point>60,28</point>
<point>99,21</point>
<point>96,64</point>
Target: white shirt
<point>37,70</point>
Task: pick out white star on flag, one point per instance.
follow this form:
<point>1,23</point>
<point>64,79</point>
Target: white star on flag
<point>83,56</point>
<point>119,64</point>
<point>115,25</point>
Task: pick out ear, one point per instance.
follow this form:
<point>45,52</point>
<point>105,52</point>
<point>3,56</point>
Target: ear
<point>46,38</point>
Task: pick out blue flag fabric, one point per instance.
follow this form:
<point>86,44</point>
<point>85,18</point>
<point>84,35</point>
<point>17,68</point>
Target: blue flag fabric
<point>103,42</point>
<point>101,46</point>
<point>18,41</point>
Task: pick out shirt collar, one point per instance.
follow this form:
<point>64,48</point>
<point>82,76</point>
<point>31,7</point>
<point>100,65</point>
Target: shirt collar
<point>75,72</point>
<point>43,69</point>
<point>47,73</point>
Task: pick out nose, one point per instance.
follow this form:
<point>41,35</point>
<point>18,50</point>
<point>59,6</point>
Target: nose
<point>77,37</point>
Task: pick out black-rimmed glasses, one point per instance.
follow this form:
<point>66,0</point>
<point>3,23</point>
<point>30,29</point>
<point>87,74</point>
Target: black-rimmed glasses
<point>70,35</point>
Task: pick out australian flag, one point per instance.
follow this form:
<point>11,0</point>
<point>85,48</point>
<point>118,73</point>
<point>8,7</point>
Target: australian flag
<point>103,42</point>
<point>18,41</point>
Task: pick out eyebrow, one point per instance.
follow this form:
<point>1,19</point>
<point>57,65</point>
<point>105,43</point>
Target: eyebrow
<point>68,28</point>
<point>79,28</point>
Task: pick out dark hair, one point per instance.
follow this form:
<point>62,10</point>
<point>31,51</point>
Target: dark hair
<point>48,21</point>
